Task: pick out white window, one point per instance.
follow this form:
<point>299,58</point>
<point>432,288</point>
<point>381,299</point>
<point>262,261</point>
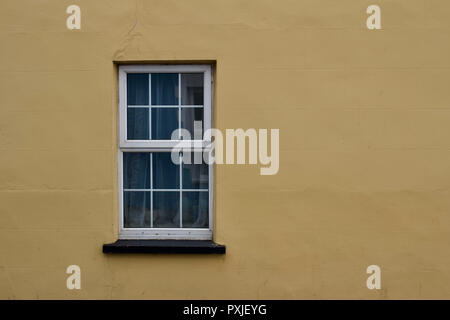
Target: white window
<point>160,198</point>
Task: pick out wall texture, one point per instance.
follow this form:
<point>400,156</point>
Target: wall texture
<point>364,119</point>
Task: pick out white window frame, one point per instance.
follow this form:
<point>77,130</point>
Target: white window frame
<point>163,146</point>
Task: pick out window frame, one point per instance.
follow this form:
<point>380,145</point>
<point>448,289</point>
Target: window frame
<point>164,146</point>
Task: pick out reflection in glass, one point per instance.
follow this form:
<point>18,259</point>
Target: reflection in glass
<point>195,176</point>
<point>166,209</point>
<point>136,170</point>
<point>164,122</point>
<point>136,208</point>
<point>137,89</point>
<point>166,174</point>
<point>188,116</point>
<point>192,89</point>
<point>195,209</point>
<point>137,124</point>
<point>164,89</point>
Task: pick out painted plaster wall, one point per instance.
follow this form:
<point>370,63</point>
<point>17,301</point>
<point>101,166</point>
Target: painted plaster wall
<point>364,119</point>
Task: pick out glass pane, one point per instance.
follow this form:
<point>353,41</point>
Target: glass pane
<point>164,122</point>
<point>195,176</point>
<point>136,209</point>
<point>137,89</point>
<point>188,116</point>
<point>166,174</point>
<point>195,210</point>
<point>166,209</point>
<point>192,89</point>
<point>164,89</point>
<point>137,124</point>
<point>136,170</point>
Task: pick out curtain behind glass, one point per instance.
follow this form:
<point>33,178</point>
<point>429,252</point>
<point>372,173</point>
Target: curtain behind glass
<point>164,93</point>
<point>137,118</point>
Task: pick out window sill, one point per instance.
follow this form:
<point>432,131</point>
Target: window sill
<point>164,246</point>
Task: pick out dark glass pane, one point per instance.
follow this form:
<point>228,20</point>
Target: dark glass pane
<point>137,89</point>
<point>166,209</point>
<point>136,209</point>
<point>164,122</point>
<point>192,89</point>
<point>137,124</point>
<point>195,210</point>
<point>166,174</point>
<point>164,89</point>
<point>136,170</point>
<point>188,116</point>
<point>195,176</point>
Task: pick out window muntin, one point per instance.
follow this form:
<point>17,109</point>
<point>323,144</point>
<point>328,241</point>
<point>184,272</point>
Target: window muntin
<point>158,198</point>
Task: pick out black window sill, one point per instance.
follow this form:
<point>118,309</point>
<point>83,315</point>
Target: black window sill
<point>164,246</point>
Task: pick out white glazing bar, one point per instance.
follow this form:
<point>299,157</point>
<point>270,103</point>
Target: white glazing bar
<point>151,191</point>
<point>181,187</point>
<point>179,104</point>
<point>167,106</point>
<point>151,154</point>
<point>150,103</point>
<point>166,190</point>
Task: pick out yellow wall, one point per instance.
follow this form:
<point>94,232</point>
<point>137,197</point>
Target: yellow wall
<point>364,119</point>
